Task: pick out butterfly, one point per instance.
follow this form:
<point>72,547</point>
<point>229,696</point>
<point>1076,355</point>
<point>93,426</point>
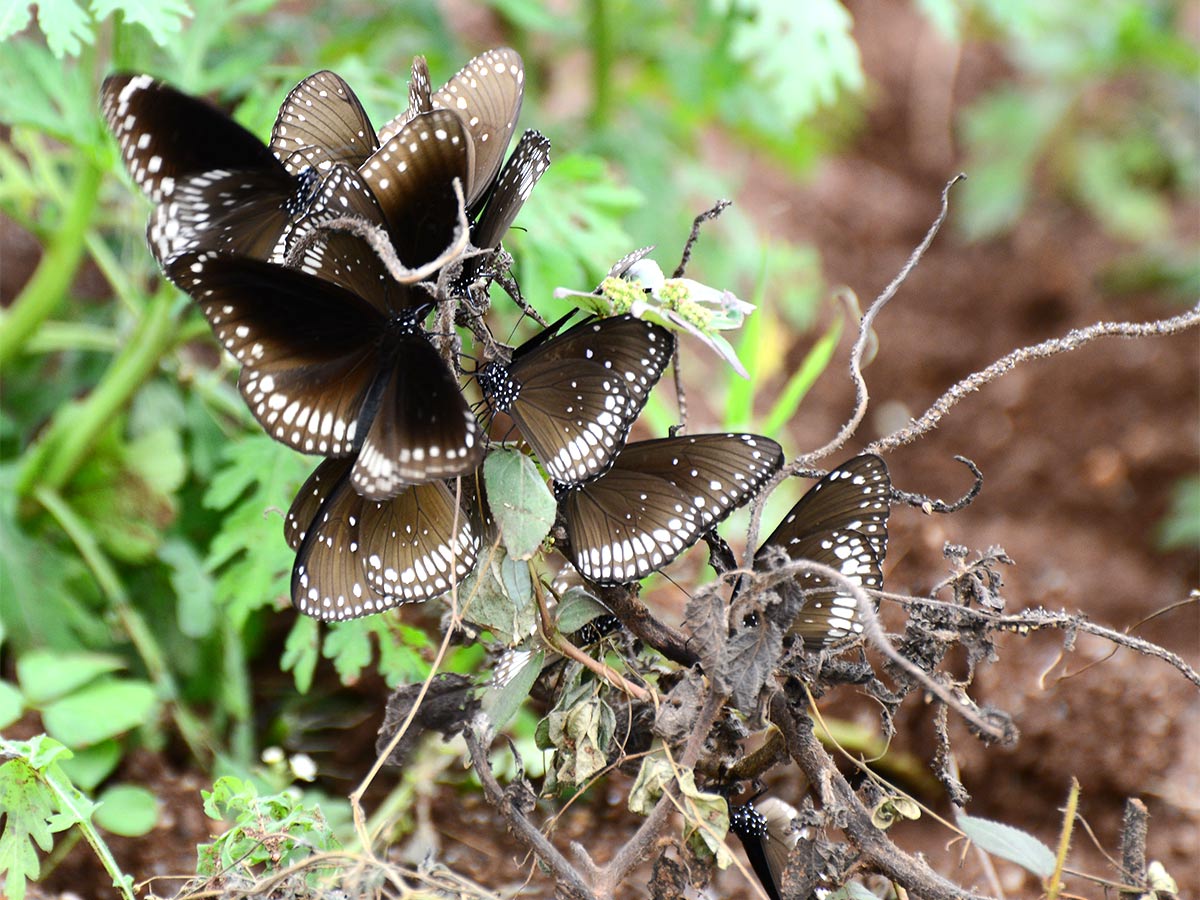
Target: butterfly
<point>183,152</point>
<point>575,395</point>
<point>356,557</point>
<point>767,835</point>
<point>487,93</point>
<point>658,498</point>
<point>329,371</point>
<point>840,522</point>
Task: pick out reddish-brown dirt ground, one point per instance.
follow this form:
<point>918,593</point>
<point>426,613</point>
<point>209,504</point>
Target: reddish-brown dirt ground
<point>1080,455</point>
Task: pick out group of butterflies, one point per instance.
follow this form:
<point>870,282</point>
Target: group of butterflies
<point>336,360</point>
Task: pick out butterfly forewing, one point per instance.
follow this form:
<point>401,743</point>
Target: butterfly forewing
<point>417,544</point>
<point>412,178</point>
<point>420,100</point>
<point>165,135</point>
<point>322,123</point>
<point>659,497</point>
<point>241,211</point>
<point>842,523</point>
<point>487,93</point>
<point>516,182</point>
<point>423,429</point>
<point>309,349</point>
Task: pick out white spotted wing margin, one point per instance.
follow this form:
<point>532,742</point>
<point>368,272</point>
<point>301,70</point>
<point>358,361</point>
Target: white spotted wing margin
<point>357,557</point>
<point>322,123</point>
<point>659,498</point>
<point>575,396</point>
<point>841,522</point>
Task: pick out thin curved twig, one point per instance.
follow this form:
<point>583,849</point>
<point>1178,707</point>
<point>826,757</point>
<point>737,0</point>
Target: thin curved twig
<point>1072,340</point>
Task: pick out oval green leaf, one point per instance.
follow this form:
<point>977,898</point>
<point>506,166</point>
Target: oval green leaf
<point>1009,843</point>
<point>520,501</point>
<point>47,675</point>
<point>127,810</point>
<point>99,711</point>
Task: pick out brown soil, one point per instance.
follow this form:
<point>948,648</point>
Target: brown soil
<point>1080,454</point>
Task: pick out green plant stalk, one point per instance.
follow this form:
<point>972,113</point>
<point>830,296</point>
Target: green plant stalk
<point>121,881</point>
<point>142,636</point>
<point>1054,889</point>
<point>52,278</point>
<point>601,36</point>
<point>51,461</point>
<point>816,361</point>
<point>739,394</point>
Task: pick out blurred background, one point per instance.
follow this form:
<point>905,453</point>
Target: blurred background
<point>143,573</point>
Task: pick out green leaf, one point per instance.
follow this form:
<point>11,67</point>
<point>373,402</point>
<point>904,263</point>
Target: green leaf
<point>706,821</point>
<point>576,608</point>
<point>45,675</point>
<point>1009,843</point>
<point>852,890</point>
<point>502,704</point>
<point>816,361</point>
<point>15,16</point>
<point>162,18</point>
<point>66,25</point>
<point>1181,528</point>
<point>498,596</point>
<point>302,651</point>
<point>652,778</point>
<point>89,766</point>
<point>521,504</point>
<point>12,704</point>
<point>580,733</point>
<point>28,806</point>
<point>255,563</point>
<point>128,810</point>
<point>101,710</point>
<point>348,644</point>
<point>195,590</point>
<point>811,68</point>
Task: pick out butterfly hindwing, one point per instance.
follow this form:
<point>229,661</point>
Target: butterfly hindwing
<point>423,429</point>
<point>659,498</point>
<point>416,545</point>
<point>842,523</point>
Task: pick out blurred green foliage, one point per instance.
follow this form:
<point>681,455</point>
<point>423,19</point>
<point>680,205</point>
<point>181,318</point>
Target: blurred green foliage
<point>140,505</point>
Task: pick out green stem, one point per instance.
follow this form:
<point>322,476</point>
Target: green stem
<point>67,803</point>
<point>142,636</point>
<point>601,64</point>
<point>1054,889</point>
<point>52,278</point>
<point>54,458</point>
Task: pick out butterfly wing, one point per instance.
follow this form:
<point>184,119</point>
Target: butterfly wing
<point>412,178</point>
<point>517,179</point>
<point>575,397</point>
<point>320,123</point>
<point>328,579</point>
<point>310,498</point>
<point>487,93</point>
<point>659,498</point>
<point>423,429</point>
<point>410,545</point>
<point>842,523</point>
<point>309,349</point>
<point>165,135</point>
<point>420,100</point>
